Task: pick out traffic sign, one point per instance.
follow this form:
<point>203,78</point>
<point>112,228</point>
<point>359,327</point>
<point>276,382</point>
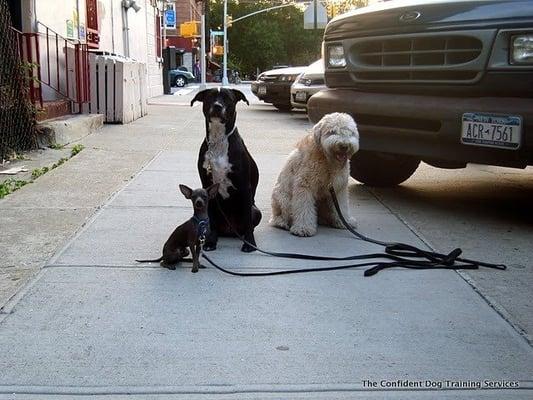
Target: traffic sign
<point>170,18</point>
<point>318,21</point>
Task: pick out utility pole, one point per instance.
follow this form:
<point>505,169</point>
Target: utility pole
<point>315,6</point>
<point>225,81</point>
<point>225,61</point>
<point>203,59</point>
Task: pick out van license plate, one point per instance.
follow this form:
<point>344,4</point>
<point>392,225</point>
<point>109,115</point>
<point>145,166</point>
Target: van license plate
<point>262,90</point>
<point>492,130</point>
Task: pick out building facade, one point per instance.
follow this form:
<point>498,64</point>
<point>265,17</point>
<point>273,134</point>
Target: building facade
<point>184,11</point>
<point>106,26</point>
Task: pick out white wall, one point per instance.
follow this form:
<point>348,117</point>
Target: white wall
<point>142,39</point>
<point>55,15</point>
<point>110,26</point>
<point>153,66</point>
<point>64,18</point>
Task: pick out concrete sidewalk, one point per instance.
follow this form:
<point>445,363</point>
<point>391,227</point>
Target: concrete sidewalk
<point>94,322</point>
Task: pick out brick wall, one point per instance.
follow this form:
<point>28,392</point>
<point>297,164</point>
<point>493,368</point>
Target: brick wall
<point>186,10</point>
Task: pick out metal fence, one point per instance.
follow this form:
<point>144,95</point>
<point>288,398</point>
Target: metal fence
<point>64,65</point>
<point>17,113</point>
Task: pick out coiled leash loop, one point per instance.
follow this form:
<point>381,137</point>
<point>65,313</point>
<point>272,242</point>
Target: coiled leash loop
<point>401,255</point>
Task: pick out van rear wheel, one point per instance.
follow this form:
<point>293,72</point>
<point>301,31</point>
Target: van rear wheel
<point>382,169</point>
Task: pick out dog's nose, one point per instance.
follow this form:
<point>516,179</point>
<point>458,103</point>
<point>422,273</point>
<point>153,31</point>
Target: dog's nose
<point>199,203</point>
<point>217,107</point>
<point>343,147</point>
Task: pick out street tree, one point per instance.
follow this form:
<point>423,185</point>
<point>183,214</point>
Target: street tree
<point>264,40</point>
<point>337,7</point>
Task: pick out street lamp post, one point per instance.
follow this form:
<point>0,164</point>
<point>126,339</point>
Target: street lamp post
<point>225,61</point>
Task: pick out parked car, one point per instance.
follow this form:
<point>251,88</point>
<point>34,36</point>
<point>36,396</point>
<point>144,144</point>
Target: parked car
<point>307,84</point>
<point>445,82</point>
<point>274,86</point>
<point>180,77</point>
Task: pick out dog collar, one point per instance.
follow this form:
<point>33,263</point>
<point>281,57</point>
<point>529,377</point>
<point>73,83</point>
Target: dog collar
<point>232,131</point>
<point>200,220</point>
<point>225,137</point>
<point>203,225</point>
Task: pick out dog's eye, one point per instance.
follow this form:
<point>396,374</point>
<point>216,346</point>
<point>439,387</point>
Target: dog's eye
<point>329,133</point>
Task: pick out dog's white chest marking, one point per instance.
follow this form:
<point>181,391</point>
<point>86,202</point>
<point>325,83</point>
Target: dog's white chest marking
<point>216,160</point>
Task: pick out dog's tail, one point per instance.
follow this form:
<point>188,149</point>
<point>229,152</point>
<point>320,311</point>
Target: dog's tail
<point>150,261</point>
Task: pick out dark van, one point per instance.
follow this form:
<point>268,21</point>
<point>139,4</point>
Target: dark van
<point>444,82</point>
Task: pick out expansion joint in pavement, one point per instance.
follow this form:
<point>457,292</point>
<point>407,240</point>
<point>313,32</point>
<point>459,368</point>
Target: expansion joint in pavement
<point>500,310</point>
<point>259,389</point>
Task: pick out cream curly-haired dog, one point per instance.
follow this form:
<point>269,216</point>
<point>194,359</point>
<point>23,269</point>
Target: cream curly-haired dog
<point>301,198</point>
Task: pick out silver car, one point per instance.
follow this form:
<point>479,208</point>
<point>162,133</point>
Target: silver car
<point>307,84</point>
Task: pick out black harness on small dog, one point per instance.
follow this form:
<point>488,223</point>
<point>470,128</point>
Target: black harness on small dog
<point>201,228</point>
<point>400,255</point>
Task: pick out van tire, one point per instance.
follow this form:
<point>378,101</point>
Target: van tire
<point>382,169</point>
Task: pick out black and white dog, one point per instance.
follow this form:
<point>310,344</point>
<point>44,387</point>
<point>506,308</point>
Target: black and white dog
<point>224,159</point>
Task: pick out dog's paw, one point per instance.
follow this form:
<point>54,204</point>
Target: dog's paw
<point>169,266</point>
<point>303,231</point>
<point>279,222</point>
<point>246,248</point>
<point>194,271</point>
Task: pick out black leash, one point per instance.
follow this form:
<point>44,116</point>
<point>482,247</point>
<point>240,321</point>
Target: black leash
<point>401,255</point>
<point>433,259</point>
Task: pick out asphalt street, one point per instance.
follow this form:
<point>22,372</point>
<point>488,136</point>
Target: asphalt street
<point>93,322</point>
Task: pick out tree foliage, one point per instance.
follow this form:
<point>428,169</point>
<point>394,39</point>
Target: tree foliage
<point>337,7</point>
<point>266,39</point>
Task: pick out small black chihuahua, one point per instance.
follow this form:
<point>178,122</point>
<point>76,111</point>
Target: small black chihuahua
<point>188,234</point>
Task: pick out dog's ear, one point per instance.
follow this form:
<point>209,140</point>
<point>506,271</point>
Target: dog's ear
<point>200,96</point>
<point>212,190</point>
<point>186,190</point>
<point>240,96</point>
<point>317,132</point>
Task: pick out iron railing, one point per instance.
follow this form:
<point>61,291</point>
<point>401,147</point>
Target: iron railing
<point>66,65</point>
<point>61,64</point>
<point>28,50</point>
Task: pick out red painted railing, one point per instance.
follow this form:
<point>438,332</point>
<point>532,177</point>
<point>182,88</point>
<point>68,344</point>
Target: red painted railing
<point>27,46</point>
<point>60,64</point>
